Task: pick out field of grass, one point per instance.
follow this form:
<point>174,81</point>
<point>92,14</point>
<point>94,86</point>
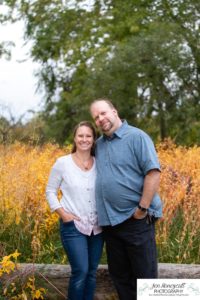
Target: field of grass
<point>27,225</point>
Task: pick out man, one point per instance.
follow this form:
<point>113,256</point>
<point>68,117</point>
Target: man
<point>128,174</point>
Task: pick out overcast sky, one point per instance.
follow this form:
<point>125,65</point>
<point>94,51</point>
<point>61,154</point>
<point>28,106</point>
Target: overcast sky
<point>17,82</point>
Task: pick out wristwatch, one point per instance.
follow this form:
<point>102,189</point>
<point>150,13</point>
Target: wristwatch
<point>142,208</point>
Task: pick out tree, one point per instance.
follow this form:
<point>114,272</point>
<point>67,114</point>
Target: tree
<point>5,46</point>
<point>8,123</point>
<point>143,54</point>
<point>17,129</point>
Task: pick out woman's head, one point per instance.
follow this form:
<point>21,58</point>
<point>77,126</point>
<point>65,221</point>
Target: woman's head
<point>84,137</point>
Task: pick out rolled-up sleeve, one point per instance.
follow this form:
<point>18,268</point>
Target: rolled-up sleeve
<point>53,185</point>
<point>146,154</point>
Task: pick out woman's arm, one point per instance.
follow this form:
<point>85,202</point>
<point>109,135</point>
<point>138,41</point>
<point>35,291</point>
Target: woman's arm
<point>65,216</point>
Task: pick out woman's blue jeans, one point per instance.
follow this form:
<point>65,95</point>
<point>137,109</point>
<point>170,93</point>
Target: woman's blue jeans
<point>84,253</point>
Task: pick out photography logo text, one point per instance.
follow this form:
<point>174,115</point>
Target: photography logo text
<point>167,288</point>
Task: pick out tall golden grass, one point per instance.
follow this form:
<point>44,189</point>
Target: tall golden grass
<point>178,233</point>
<point>26,223</point>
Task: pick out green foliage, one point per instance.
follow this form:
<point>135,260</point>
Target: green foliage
<point>178,249</point>
<point>33,131</point>
<point>15,236</point>
<point>142,54</point>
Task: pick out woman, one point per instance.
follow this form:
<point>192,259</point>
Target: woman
<point>74,175</point>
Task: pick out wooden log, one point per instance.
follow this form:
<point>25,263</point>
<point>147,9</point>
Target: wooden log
<point>178,271</point>
<point>165,270</point>
<point>59,275</point>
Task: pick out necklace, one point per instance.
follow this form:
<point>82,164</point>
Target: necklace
<point>85,165</point>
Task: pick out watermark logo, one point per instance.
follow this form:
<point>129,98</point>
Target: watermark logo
<point>168,289</point>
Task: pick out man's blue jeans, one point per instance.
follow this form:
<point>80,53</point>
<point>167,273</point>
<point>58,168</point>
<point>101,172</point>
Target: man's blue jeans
<point>84,253</point>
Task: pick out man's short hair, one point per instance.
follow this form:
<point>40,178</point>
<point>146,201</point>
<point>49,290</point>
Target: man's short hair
<point>108,101</point>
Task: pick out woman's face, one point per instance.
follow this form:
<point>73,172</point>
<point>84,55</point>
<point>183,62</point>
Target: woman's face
<point>84,138</point>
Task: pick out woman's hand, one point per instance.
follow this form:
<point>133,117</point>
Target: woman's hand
<point>65,216</point>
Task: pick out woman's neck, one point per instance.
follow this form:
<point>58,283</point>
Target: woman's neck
<point>84,160</point>
<point>83,155</point>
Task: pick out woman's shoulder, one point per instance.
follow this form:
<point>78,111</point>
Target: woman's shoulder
<point>63,159</point>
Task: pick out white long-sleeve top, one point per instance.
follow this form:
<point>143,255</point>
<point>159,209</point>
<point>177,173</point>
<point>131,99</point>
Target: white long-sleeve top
<point>78,193</point>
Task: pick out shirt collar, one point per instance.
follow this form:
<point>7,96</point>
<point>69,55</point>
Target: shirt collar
<point>119,132</point>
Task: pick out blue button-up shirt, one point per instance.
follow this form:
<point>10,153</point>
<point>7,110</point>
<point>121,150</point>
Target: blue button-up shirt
<point>122,161</point>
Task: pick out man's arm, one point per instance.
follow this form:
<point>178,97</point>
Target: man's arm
<point>151,185</point>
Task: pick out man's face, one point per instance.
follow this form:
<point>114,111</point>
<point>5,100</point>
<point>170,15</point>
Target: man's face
<point>104,116</point>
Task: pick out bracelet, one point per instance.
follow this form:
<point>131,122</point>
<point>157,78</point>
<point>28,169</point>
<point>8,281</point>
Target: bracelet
<point>142,208</point>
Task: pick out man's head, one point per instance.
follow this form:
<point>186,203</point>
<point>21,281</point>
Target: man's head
<point>105,116</point>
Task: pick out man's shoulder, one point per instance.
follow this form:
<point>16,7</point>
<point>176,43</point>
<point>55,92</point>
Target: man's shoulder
<point>134,131</point>
<point>100,139</point>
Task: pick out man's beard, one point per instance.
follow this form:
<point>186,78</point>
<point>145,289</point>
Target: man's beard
<point>109,126</point>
